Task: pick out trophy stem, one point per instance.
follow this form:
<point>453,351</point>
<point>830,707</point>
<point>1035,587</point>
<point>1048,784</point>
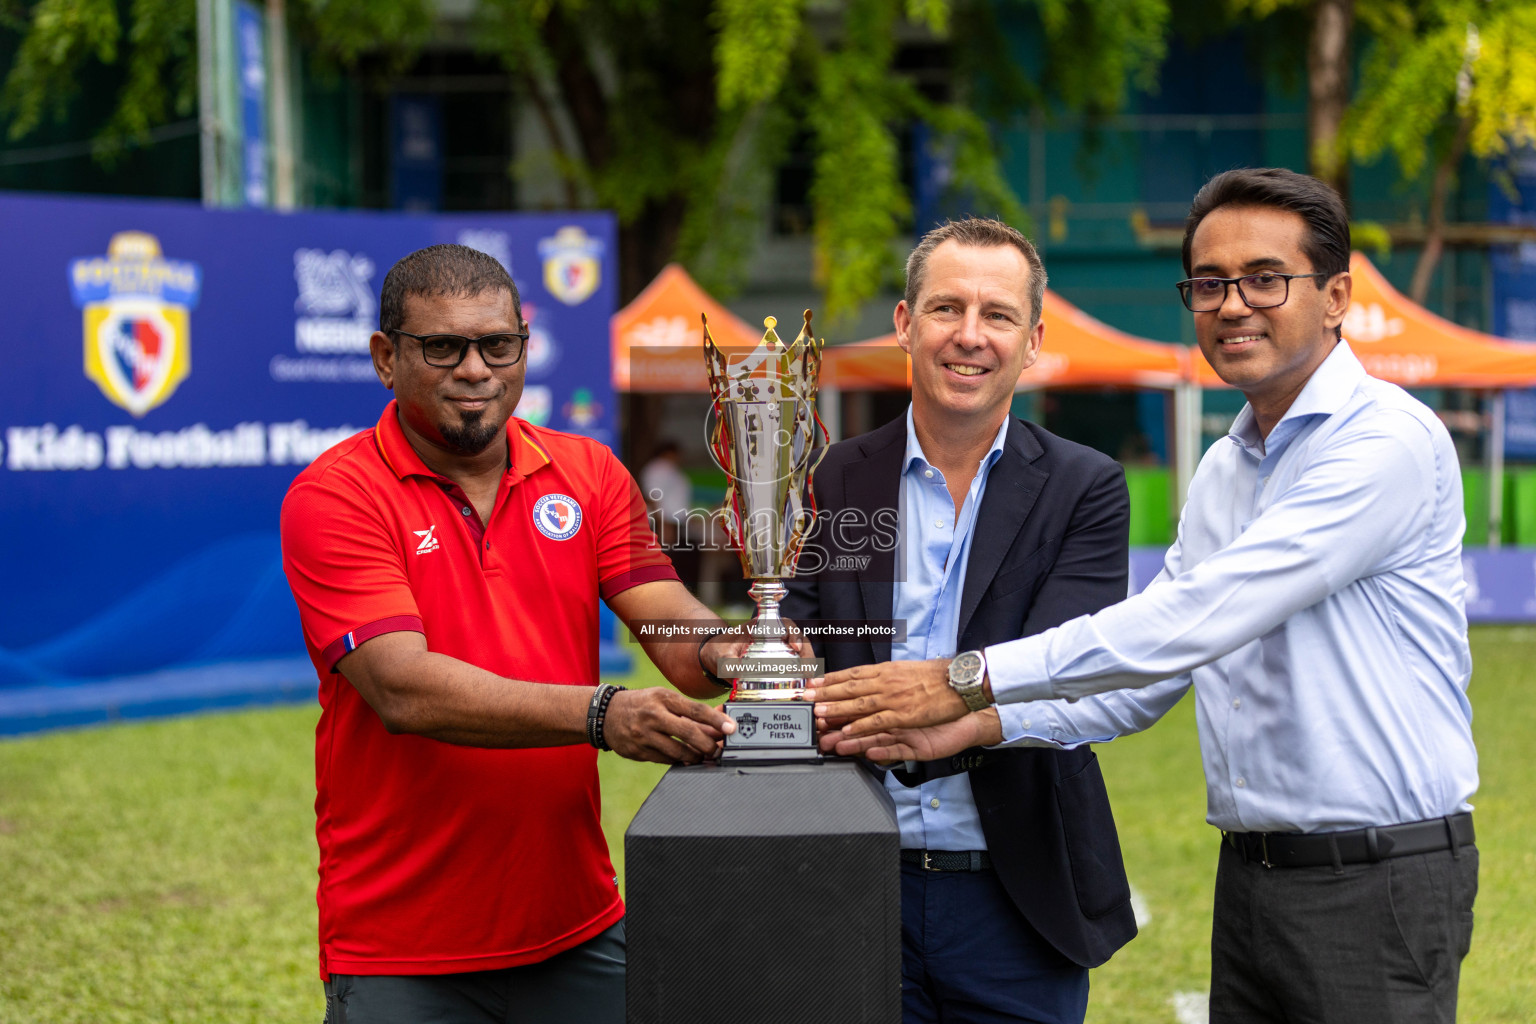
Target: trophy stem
<point>769,631</point>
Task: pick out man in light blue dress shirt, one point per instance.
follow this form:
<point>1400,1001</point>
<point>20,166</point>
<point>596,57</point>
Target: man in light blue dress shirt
<point>1314,599</point>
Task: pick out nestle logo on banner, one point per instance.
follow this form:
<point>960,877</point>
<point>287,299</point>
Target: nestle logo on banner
<point>336,305</point>
<point>137,308</point>
<point>337,316</point>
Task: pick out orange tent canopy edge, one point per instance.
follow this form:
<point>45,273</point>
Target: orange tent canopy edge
<point>656,341</point>
<point>1401,341</point>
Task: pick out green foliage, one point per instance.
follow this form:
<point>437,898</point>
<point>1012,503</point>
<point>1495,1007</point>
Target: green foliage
<point>1097,48</point>
<point>344,30</point>
<point>63,35</point>
<point>1371,236</point>
<point>856,191</point>
<point>753,49</point>
<point>720,230</point>
<point>1438,66</point>
<point>161,73</point>
<point>674,113</point>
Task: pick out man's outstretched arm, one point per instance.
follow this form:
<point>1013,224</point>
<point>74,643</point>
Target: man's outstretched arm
<point>416,691</point>
<point>1342,521</point>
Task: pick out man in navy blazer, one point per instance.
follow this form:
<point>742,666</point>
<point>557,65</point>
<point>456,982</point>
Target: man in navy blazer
<point>973,527</point>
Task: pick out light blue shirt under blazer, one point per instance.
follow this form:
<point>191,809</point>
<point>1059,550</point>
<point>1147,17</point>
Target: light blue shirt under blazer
<point>935,551</point>
<point>1315,599</point>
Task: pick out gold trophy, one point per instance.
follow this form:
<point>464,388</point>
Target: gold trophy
<point>766,435</point>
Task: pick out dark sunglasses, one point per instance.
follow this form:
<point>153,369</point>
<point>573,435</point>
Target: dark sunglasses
<point>449,350</point>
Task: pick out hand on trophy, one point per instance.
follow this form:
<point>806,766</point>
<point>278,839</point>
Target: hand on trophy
<point>657,724</point>
<point>873,699</point>
<point>930,743</point>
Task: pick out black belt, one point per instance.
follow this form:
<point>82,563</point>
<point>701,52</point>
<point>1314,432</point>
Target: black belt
<point>1356,846</point>
<point>948,860</point>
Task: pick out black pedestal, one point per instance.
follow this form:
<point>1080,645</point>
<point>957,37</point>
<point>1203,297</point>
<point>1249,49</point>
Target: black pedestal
<point>764,894</point>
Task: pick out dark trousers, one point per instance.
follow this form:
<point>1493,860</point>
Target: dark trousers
<point>1361,944</point>
<point>969,957</point>
<point>583,984</point>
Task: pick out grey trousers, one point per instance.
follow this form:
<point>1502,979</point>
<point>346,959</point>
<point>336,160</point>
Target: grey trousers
<point>1367,943</point>
<point>582,984</point>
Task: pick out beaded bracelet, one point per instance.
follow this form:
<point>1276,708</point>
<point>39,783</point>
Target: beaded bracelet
<point>597,713</point>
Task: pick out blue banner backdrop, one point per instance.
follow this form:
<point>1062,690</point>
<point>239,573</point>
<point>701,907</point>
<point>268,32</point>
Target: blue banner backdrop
<point>1514,289</point>
<point>169,369</point>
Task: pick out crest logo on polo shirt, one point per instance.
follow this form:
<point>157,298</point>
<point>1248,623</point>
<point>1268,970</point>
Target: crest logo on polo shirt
<point>557,516</point>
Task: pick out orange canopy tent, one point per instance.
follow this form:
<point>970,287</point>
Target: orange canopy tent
<point>656,342</point>
<point>1080,351</point>
<point>1405,343</point>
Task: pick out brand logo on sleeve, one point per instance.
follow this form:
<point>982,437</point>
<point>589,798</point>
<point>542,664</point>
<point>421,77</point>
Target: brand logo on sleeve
<point>428,540</point>
<point>557,516</point>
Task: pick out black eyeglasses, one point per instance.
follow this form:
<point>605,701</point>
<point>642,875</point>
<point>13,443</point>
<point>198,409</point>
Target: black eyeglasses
<point>1258,291</point>
<point>449,350</point>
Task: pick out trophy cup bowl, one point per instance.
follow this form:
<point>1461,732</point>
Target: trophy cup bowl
<point>767,437</point>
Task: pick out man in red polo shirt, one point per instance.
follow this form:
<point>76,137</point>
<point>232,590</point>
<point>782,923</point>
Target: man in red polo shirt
<point>447,567</point>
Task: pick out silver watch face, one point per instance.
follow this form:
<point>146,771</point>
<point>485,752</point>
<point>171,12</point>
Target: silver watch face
<point>965,669</point>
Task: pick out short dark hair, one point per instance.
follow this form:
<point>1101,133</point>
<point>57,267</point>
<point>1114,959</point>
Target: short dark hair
<point>447,269</point>
<point>984,233</point>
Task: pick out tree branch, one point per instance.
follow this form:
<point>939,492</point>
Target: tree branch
<point>1434,237</point>
<point>546,115</point>
<point>580,88</point>
<point>1328,90</point>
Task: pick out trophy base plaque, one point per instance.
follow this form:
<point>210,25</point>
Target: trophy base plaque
<point>769,731</point>
<point>772,722</point>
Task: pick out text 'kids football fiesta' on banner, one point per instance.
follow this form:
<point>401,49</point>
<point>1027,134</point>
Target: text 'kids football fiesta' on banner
<point>169,369</point>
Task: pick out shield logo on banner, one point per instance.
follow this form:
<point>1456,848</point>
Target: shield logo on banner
<point>572,264</point>
<point>136,351</point>
<point>136,308</point>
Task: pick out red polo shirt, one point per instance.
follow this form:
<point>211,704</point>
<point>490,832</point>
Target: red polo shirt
<point>436,858</point>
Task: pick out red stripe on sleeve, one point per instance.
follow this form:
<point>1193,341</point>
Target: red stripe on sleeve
<point>616,585</point>
<point>338,649</point>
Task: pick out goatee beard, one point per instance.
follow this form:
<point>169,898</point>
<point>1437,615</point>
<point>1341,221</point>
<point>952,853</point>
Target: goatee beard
<point>472,437</point>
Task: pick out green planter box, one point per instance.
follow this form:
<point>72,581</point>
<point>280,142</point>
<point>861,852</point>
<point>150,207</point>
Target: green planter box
<point>1517,525</point>
<point>1520,507</point>
<point>1151,507</point>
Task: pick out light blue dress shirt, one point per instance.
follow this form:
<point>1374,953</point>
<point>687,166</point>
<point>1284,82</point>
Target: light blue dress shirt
<point>935,551</point>
<point>1315,598</point>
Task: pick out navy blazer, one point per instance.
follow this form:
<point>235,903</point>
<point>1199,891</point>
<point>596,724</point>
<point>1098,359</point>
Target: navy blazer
<point>1050,543</point>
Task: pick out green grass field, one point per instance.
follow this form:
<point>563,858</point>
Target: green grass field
<point>164,872</point>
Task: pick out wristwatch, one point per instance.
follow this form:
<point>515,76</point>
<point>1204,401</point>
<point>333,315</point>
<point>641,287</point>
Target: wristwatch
<point>966,672</point>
